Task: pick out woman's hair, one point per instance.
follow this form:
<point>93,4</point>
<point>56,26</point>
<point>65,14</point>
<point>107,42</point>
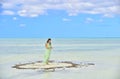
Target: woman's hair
<point>48,40</point>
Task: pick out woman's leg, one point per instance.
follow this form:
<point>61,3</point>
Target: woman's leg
<point>47,56</point>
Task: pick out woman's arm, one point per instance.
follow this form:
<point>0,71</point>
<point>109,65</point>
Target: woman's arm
<point>48,47</point>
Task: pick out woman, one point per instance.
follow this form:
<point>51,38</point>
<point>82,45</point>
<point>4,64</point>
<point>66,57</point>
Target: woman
<point>48,51</point>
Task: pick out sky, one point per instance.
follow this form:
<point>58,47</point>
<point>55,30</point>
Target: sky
<point>59,18</point>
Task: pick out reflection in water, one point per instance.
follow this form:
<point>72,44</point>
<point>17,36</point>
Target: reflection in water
<point>47,75</point>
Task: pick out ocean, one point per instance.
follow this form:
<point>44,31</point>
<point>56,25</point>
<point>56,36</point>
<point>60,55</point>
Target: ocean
<point>103,52</point>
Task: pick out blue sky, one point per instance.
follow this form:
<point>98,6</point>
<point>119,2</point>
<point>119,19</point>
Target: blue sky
<point>59,18</point>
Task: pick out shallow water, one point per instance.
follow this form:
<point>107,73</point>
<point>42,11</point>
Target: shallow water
<point>105,53</point>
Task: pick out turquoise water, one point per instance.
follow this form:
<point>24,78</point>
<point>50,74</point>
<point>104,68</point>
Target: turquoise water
<point>21,46</point>
<point>104,52</point>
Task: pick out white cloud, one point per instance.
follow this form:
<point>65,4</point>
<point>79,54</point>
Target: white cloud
<point>8,12</point>
<point>31,11</point>
<point>34,8</point>
<point>7,5</point>
<point>66,19</point>
<point>108,15</point>
<point>14,18</point>
<point>22,25</point>
<point>89,20</point>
